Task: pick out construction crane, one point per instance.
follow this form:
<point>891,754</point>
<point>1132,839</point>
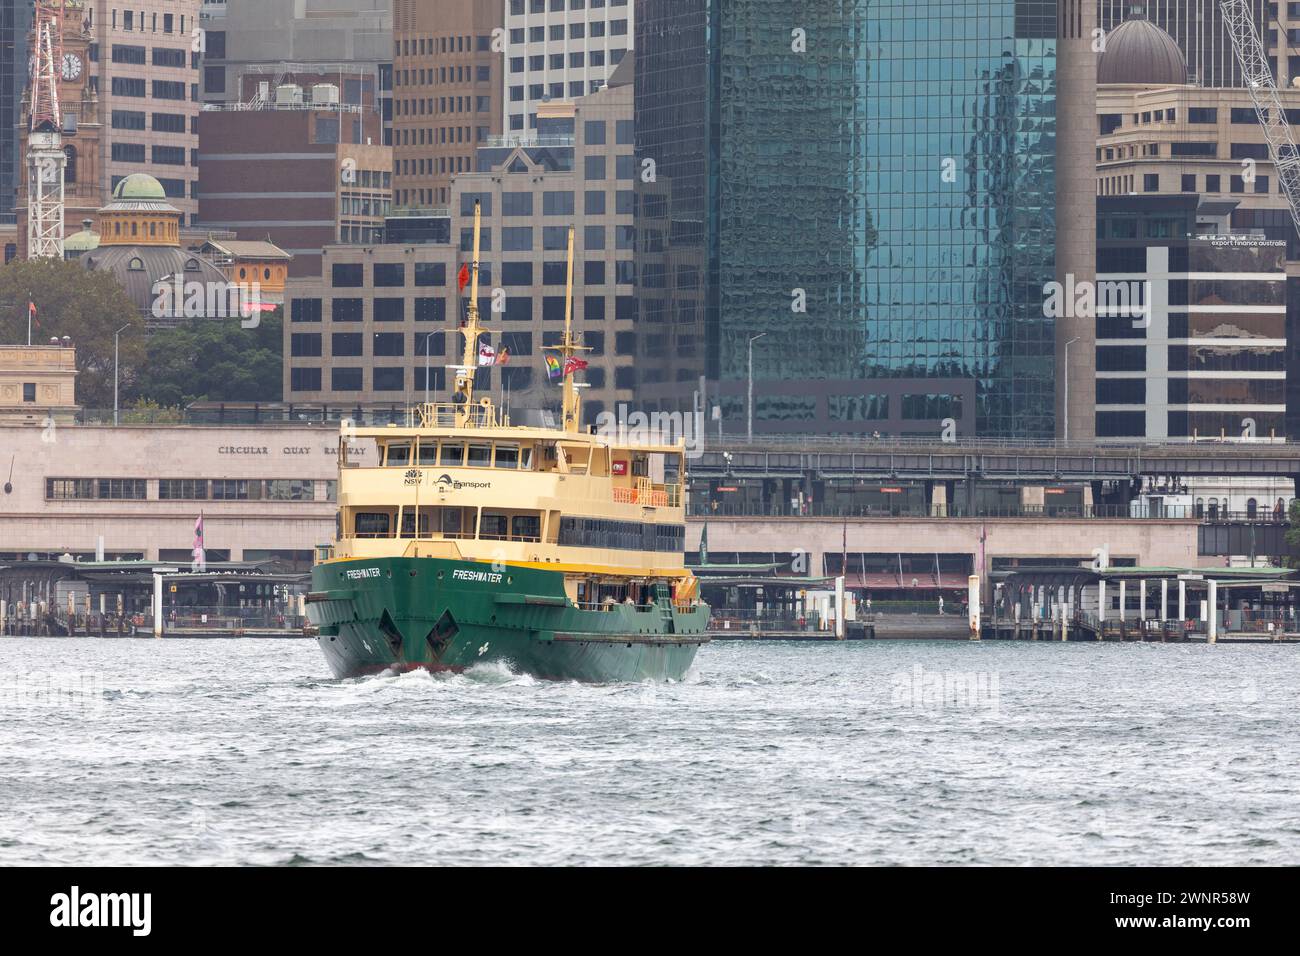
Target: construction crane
<point>1251,56</point>
<point>46,160</point>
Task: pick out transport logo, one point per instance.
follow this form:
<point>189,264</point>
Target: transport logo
<point>74,909</point>
<point>413,476</point>
<point>446,481</point>
<point>361,573</point>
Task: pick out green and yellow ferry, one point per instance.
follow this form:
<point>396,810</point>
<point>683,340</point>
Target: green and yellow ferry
<point>555,551</point>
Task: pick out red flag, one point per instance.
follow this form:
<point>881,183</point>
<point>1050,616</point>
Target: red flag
<point>462,278</point>
<point>503,356</point>
<point>574,365</point>
<point>31,312</point>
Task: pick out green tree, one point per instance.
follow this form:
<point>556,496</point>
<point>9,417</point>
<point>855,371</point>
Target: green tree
<point>86,306</point>
<point>215,360</point>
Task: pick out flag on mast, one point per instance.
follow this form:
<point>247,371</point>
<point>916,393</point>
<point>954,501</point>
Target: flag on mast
<point>462,278</point>
<point>200,559</point>
<point>31,313</point>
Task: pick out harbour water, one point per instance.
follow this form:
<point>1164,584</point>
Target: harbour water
<point>246,752</point>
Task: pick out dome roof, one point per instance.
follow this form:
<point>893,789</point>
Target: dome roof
<point>83,241</point>
<point>140,186</point>
<point>1140,53</point>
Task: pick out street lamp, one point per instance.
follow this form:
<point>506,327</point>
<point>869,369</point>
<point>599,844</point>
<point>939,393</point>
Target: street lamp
<point>115,335</point>
<point>1066,414</point>
<point>749,427</point>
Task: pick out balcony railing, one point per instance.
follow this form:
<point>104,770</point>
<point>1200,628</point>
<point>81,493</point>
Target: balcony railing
<point>510,141</point>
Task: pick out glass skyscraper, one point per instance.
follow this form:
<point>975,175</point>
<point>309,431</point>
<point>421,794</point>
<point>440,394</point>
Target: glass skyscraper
<point>15,23</point>
<point>869,185</point>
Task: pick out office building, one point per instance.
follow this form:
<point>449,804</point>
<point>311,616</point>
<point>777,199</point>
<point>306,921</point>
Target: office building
<point>15,25</point>
<point>560,49</point>
<point>252,47</point>
<point>147,75</point>
<point>1191,329</point>
<point>446,94</point>
<point>883,195</point>
<point>381,323</point>
<point>303,170</point>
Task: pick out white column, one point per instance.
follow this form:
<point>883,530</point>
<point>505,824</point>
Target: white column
<point>4,611</point>
<point>1164,600</point>
<point>1142,604</point>
<point>1101,599</point>
<point>1182,601</point>
<point>1123,604</point>
<point>1212,600</point>
<point>157,604</point>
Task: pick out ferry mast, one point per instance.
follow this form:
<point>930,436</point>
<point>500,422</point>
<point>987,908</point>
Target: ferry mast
<point>463,393</point>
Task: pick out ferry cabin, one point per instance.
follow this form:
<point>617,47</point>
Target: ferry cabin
<point>611,518</point>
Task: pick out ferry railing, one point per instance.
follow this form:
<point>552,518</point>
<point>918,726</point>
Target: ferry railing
<point>731,619</point>
<point>445,415</point>
<point>779,509</point>
<point>217,619</point>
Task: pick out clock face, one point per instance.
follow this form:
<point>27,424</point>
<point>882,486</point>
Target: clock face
<point>71,66</point>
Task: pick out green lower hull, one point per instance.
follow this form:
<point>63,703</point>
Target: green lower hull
<point>376,615</point>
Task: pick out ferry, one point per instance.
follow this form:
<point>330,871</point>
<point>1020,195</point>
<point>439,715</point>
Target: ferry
<point>554,551</point>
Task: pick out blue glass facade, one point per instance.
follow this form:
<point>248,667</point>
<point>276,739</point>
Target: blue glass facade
<point>15,24</point>
<point>877,197</point>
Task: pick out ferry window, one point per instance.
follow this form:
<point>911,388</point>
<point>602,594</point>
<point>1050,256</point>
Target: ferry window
<point>398,454</point>
<point>492,527</point>
<point>451,523</point>
<point>453,453</point>
<point>408,522</point>
<point>526,528</point>
<point>526,459</point>
<point>507,456</point>
<point>480,456</point>
<point>372,524</point>
<point>428,453</point>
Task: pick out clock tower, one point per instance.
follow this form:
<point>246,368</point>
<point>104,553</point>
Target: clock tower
<point>79,102</point>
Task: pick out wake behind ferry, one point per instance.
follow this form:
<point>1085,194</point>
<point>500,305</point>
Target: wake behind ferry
<point>555,551</point>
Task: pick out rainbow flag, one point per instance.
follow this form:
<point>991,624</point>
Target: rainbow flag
<point>553,368</point>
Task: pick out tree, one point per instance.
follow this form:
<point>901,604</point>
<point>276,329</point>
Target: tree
<point>215,360</point>
<point>86,306</point>
<point>1292,560</point>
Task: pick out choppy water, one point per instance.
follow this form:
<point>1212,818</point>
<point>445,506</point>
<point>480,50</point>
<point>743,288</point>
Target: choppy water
<point>245,752</point>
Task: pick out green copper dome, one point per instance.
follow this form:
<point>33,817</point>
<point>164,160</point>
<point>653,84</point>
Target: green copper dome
<point>140,186</point>
<point>83,241</point>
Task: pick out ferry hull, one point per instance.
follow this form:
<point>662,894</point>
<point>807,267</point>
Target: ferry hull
<point>377,615</point>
